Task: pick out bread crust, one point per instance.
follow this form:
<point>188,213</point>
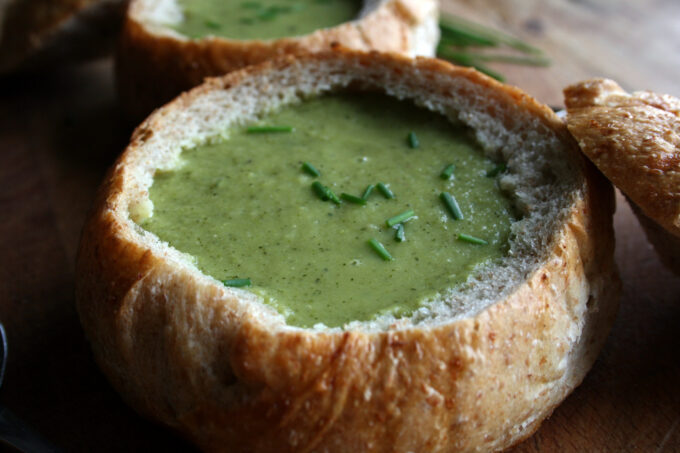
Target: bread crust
<point>634,139</point>
<point>154,64</point>
<point>38,33</point>
<point>222,369</point>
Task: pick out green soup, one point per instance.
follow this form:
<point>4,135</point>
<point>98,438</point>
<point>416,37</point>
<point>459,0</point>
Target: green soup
<point>262,19</point>
<point>245,208</point>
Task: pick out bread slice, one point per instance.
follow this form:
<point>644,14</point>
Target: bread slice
<point>477,369</point>
<point>155,63</point>
<point>38,33</point>
<point>634,139</point>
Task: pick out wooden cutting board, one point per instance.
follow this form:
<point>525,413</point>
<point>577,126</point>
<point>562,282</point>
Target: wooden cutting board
<point>59,131</point>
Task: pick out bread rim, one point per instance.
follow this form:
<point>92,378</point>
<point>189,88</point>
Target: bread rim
<point>39,33</point>
<point>634,139</point>
<point>222,368</point>
<point>155,63</point>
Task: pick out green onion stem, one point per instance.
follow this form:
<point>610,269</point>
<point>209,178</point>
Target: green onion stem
<point>367,192</point>
<point>324,192</point>
<point>471,239</point>
<point>412,140</point>
<point>468,60</point>
<point>495,171</point>
<point>310,169</point>
<point>447,172</point>
<point>400,218</point>
<point>352,199</point>
<point>237,282</point>
<point>268,129</point>
<point>452,205</point>
<point>455,25</point>
<point>399,234</point>
<point>380,249</point>
<point>387,193</point>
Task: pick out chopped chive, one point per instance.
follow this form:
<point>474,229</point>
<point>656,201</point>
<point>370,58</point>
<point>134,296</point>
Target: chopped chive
<point>412,140</point>
<point>380,250</point>
<point>495,171</point>
<point>471,239</point>
<point>367,192</point>
<point>452,205</point>
<point>399,234</point>
<point>309,168</point>
<point>400,218</point>
<point>237,282</point>
<point>387,193</point>
<point>320,190</point>
<point>447,172</point>
<point>250,5</point>
<point>267,129</point>
<point>334,198</point>
<point>352,198</point>
<point>324,192</point>
<point>212,24</point>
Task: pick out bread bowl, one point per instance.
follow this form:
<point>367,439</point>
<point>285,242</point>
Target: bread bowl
<point>477,369</point>
<point>36,34</point>
<point>634,139</point>
<point>155,62</point>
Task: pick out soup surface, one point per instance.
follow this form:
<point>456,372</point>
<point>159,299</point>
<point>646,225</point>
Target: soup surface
<point>262,19</point>
<point>246,208</point>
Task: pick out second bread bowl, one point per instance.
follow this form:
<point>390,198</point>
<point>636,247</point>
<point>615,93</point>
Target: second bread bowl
<point>477,368</point>
<point>157,58</point>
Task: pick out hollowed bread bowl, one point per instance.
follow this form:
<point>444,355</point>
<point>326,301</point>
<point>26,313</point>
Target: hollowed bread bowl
<point>477,370</point>
<point>155,63</point>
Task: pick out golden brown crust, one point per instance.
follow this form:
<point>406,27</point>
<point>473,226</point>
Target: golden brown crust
<point>153,67</point>
<point>37,33</point>
<point>634,140</point>
<point>201,358</point>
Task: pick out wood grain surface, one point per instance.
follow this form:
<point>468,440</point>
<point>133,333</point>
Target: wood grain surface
<point>60,130</point>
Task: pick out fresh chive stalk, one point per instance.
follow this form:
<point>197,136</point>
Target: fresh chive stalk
<point>468,60</point>
<point>452,32</point>
<point>536,60</point>
<point>367,192</point>
<point>237,282</point>
<point>412,140</point>
<point>495,171</point>
<point>310,169</point>
<point>324,192</point>
<point>457,26</point>
<point>387,193</point>
<point>399,234</point>
<point>380,249</point>
<point>447,172</point>
<point>400,218</point>
<point>268,129</point>
<point>352,199</point>
<point>452,205</point>
<point>471,239</point>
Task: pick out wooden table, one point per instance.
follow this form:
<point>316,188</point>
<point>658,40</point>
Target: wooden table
<point>60,130</point>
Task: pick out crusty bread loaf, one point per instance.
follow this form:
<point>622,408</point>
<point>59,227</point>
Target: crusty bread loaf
<point>39,33</point>
<point>155,63</point>
<point>477,369</point>
<point>634,139</point>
